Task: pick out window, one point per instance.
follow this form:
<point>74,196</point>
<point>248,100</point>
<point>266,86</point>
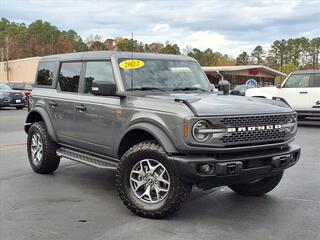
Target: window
<point>99,71</point>
<point>69,76</point>
<point>298,81</point>
<point>316,82</point>
<point>45,73</point>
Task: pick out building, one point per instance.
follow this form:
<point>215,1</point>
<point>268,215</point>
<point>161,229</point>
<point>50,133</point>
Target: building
<point>20,70</point>
<point>237,75</point>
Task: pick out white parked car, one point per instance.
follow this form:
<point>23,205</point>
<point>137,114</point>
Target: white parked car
<point>301,90</point>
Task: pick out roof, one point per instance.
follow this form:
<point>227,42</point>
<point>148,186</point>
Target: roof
<point>242,68</point>
<point>107,55</point>
<point>306,71</point>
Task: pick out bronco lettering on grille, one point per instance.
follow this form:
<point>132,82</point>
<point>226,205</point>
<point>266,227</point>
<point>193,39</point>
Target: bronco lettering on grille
<point>253,128</point>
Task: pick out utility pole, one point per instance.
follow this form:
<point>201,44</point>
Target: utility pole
<point>7,65</point>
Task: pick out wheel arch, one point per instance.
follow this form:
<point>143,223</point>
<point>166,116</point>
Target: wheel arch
<point>37,115</point>
<point>143,132</point>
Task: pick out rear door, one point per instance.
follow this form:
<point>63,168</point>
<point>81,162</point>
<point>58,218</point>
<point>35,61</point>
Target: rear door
<point>296,91</point>
<point>95,116</point>
<point>315,93</point>
<point>62,105</point>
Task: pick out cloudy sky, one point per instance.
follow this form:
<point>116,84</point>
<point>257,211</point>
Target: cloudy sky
<point>228,26</point>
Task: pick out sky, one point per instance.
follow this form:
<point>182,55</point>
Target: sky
<point>227,26</point>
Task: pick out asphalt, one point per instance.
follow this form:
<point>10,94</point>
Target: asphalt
<point>80,202</point>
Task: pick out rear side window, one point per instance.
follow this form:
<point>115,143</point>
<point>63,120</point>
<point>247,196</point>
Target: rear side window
<point>298,81</point>
<point>99,71</point>
<point>45,73</point>
<point>69,77</point>
<point>316,82</point>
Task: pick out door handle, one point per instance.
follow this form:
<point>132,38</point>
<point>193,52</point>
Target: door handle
<point>303,92</point>
<point>53,104</point>
<point>81,108</point>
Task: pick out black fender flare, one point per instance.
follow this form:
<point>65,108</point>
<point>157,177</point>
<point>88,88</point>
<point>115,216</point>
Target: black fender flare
<point>156,132</point>
<point>46,119</point>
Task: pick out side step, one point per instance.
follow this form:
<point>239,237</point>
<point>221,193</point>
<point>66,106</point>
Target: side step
<point>86,158</point>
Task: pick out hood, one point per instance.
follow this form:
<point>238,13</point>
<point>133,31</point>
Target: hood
<point>211,104</point>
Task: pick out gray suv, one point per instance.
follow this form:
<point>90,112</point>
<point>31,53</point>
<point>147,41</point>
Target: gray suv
<point>155,120</point>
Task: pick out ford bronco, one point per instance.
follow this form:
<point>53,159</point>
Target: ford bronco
<point>154,119</point>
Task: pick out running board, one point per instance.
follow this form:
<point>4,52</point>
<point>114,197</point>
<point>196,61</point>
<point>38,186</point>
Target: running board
<point>86,158</point>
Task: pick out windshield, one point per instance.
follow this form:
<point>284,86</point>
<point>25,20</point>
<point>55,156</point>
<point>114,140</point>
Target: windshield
<point>4,87</point>
<point>163,74</point>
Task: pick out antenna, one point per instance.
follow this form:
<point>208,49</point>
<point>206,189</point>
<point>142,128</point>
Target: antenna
<point>132,61</point>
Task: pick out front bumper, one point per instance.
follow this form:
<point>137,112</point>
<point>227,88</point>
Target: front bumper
<point>12,102</point>
<point>234,168</point>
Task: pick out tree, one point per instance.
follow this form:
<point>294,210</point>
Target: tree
<point>314,50</point>
<point>129,45</point>
<point>109,44</point>
<point>242,59</point>
<point>258,54</point>
<point>279,51</point>
<point>170,49</point>
<point>288,68</point>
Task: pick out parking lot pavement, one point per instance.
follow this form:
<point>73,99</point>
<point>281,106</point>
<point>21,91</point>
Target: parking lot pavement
<point>80,202</point>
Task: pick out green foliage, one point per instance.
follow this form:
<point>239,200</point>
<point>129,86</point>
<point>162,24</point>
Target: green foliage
<point>288,68</point>
<point>170,49</point>
<point>242,59</point>
<point>258,54</point>
<point>205,58</point>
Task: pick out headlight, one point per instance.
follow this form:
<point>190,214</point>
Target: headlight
<point>294,121</point>
<point>200,131</point>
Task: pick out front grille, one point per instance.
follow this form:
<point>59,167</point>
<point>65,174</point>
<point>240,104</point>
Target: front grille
<point>16,95</point>
<point>255,136</point>
<point>254,120</point>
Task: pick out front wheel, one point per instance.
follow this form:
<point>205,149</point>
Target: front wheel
<point>258,187</point>
<point>147,183</point>
<point>20,107</point>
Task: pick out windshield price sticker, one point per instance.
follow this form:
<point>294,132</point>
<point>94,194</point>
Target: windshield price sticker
<point>131,64</point>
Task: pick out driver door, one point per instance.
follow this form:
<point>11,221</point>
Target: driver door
<point>296,90</point>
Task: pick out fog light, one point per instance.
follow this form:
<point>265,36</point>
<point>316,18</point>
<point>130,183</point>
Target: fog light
<point>206,169</point>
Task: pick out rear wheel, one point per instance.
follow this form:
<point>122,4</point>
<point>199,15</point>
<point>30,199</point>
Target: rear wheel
<point>147,183</point>
<point>41,149</point>
<point>258,187</point>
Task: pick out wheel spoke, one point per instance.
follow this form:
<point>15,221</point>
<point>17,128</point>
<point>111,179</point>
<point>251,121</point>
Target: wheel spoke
<point>138,183</point>
<point>147,193</point>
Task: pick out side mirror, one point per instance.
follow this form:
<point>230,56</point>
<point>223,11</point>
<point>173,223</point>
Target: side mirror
<point>103,88</point>
<point>279,85</point>
<point>212,87</point>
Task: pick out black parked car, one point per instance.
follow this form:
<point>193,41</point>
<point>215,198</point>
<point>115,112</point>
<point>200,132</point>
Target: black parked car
<point>11,98</point>
<point>240,90</point>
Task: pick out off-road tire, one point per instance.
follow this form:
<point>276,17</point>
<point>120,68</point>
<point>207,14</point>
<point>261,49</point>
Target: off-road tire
<point>50,161</point>
<point>178,191</point>
<point>257,188</point>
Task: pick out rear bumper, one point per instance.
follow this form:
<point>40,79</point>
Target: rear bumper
<point>234,168</point>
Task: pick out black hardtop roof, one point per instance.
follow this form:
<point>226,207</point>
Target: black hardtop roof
<point>106,55</point>
<point>306,71</point>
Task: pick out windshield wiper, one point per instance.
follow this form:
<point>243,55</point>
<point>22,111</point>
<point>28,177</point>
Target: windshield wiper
<point>145,89</point>
<point>189,89</point>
